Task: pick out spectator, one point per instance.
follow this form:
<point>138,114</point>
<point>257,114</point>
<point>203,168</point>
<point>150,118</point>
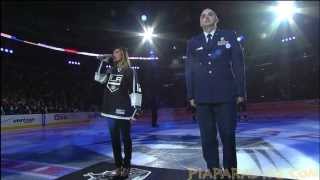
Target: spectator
<point>38,91</point>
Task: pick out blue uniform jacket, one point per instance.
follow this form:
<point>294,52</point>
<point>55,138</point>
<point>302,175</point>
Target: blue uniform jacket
<point>214,72</point>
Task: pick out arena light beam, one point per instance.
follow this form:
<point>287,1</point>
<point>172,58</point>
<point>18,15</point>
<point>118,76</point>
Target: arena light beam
<point>147,34</point>
<point>285,10</point>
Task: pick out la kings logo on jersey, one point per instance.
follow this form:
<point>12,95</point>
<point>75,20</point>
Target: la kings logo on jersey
<point>114,82</point>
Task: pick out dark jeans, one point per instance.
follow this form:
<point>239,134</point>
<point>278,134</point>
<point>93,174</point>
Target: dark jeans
<point>221,117</point>
<point>123,127</point>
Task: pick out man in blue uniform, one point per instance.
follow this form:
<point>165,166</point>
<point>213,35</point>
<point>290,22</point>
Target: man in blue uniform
<point>215,81</point>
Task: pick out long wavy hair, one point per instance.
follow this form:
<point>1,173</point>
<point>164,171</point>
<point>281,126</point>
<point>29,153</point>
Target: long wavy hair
<point>124,62</point>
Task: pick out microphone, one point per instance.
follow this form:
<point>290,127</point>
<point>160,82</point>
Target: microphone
<point>106,58</point>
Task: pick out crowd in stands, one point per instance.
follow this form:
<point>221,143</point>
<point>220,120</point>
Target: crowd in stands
<point>35,91</point>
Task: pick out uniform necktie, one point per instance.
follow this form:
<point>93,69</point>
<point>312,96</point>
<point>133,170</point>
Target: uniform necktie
<point>209,37</point>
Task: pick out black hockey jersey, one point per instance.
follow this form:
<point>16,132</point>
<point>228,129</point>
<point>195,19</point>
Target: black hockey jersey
<point>119,87</point>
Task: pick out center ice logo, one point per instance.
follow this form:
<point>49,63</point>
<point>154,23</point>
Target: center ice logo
<point>114,82</point>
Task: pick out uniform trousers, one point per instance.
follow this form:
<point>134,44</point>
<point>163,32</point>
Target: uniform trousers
<point>214,118</point>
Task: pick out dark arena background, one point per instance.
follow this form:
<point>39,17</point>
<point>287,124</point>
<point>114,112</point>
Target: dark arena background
<point>51,127</point>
